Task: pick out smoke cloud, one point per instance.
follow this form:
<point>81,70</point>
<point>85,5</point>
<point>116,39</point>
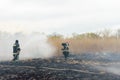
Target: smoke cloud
<point>34,45</point>
<point>110,68</point>
<point>109,62</point>
<point>106,62</point>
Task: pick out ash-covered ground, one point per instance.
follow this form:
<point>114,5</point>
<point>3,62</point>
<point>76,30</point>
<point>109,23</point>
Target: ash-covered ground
<point>77,67</point>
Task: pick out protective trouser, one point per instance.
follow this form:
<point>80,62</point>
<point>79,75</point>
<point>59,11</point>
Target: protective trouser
<point>16,56</point>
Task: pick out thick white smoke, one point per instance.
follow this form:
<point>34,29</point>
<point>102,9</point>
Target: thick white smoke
<point>32,46</point>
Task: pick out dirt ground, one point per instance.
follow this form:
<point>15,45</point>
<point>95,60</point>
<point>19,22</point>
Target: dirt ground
<point>75,68</point>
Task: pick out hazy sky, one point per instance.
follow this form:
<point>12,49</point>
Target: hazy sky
<point>61,16</point>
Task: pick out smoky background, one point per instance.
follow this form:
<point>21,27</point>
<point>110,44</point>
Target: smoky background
<point>32,45</point>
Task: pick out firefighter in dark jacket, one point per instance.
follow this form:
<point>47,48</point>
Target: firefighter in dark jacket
<point>65,50</point>
<point>16,50</point>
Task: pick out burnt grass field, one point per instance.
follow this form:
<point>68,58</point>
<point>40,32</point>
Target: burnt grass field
<point>77,67</point>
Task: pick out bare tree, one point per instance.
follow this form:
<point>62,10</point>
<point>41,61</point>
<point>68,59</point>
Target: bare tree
<point>118,33</point>
<point>106,33</point>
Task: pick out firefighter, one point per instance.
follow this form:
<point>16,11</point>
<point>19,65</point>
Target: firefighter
<point>65,50</point>
<point>16,50</point>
